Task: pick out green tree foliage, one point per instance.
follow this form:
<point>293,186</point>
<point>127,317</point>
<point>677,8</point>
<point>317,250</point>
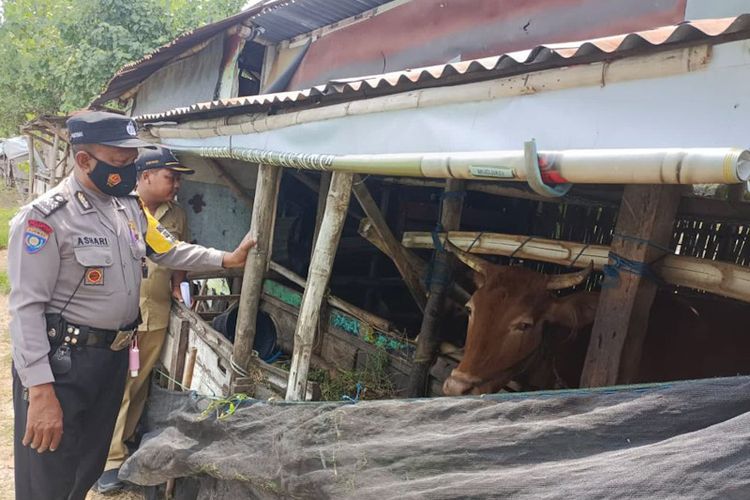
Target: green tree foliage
<point>57,55</point>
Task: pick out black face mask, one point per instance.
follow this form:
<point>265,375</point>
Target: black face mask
<point>111,180</point>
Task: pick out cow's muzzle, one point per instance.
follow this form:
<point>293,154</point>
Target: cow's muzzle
<point>460,384</point>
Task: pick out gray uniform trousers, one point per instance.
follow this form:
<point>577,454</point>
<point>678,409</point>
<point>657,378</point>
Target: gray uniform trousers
<point>89,414</point>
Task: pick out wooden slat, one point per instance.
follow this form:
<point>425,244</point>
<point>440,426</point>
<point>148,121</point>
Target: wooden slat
<point>360,314</point>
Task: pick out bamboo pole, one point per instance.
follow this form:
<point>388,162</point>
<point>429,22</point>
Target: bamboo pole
<point>428,342</point>
<point>325,185</point>
<point>582,166</point>
<point>721,278</point>
<point>261,226</point>
<point>394,249</point>
<point>317,283</point>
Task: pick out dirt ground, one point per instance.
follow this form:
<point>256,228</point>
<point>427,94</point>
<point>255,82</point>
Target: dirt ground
<point>6,411</point>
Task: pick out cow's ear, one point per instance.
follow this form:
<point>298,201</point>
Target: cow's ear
<point>574,311</point>
<point>479,279</point>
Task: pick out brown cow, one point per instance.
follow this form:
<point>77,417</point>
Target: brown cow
<point>519,331</point>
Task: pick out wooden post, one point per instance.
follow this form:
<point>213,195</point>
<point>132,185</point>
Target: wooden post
<point>177,370</point>
<point>32,167</point>
<point>187,376</point>
<point>64,163</point>
<point>52,158</point>
<point>646,215</point>
<point>428,341</point>
<point>317,282</point>
<point>261,226</point>
<point>394,248</point>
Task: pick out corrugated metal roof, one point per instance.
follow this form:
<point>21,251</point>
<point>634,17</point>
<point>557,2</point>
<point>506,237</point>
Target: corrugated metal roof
<point>282,19</point>
<point>538,58</point>
<point>289,19</point>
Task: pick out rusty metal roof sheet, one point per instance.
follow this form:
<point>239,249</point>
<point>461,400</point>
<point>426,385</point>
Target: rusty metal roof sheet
<point>289,19</point>
<point>540,57</point>
<point>281,19</point>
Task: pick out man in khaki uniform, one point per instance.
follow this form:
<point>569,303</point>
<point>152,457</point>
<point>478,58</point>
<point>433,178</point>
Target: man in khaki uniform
<point>75,261</point>
<point>158,183</point>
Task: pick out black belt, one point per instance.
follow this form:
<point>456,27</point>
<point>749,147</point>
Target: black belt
<point>59,331</point>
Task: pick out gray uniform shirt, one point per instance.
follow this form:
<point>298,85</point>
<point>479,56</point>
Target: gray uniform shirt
<point>87,254</point>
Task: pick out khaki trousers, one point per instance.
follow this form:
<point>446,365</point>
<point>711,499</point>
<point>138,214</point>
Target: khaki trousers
<point>134,400</point>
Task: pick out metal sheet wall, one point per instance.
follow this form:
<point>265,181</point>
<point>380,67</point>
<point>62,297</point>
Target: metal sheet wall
<point>427,32</point>
<point>184,82</point>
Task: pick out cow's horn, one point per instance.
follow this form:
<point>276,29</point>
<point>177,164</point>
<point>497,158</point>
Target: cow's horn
<point>567,280</point>
<point>476,263</point>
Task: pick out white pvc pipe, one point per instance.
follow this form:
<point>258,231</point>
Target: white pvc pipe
<point>583,166</point>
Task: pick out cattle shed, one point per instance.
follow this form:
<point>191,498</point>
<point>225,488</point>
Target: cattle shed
<point>483,127</point>
<point>392,159</point>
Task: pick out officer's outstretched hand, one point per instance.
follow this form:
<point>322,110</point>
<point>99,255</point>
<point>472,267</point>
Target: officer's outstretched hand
<point>239,255</point>
<point>44,419</point>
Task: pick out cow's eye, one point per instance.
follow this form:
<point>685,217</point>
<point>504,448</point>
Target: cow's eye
<point>524,326</point>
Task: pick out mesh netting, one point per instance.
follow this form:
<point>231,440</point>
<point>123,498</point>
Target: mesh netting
<point>678,440</point>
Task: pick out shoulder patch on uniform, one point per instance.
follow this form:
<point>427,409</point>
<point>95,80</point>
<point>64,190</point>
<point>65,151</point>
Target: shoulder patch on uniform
<point>83,201</point>
<point>157,237</point>
<point>36,235</point>
<point>50,205</point>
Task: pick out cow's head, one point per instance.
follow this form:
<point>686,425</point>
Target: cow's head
<point>507,314</point>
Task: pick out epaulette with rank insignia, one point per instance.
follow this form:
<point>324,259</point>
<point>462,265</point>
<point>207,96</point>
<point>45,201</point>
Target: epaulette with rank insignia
<point>48,206</point>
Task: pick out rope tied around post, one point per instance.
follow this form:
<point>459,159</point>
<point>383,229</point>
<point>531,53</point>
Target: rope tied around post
<point>620,263</point>
<point>437,243</point>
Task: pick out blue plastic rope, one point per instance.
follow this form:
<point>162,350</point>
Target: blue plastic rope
<point>620,263</point>
<point>355,399</point>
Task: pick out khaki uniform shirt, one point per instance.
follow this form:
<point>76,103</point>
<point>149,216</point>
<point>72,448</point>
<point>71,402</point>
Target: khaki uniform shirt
<point>156,289</point>
<point>81,253</point>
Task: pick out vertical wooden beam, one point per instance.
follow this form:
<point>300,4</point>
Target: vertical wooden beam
<point>373,294</point>
<point>32,167</point>
<point>177,370</point>
<point>52,158</point>
<point>428,341</point>
<point>643,230</point>
<point>64,162</point>
<point>261,227</point>
<point>394,249</point>
<point>318,276</point>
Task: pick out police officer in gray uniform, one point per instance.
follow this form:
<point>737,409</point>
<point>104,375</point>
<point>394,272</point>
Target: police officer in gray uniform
<point>75,261</point>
